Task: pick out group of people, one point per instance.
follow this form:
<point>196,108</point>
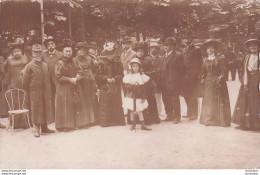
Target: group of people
<point>78,87</point>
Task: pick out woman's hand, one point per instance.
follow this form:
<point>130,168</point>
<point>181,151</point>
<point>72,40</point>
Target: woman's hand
<point>79,76</point>
<point>73,80</point>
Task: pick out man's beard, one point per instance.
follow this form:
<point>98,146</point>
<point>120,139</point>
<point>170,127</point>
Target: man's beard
<point>51,49</point>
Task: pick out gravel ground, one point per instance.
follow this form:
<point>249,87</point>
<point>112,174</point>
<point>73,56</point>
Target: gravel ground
<point>188,145</point>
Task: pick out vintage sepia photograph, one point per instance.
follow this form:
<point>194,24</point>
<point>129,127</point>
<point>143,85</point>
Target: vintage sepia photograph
<point>130,84</point>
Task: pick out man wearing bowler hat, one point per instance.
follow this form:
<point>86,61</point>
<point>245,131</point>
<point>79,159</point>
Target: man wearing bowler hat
<point>51,57</point>
<point>170,76</point>
<point>36,83</point>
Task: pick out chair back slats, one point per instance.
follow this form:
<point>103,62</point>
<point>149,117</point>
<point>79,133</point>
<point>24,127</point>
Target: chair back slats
<point>15,99</point>
<point>19,100</point>
<point>12,98</point>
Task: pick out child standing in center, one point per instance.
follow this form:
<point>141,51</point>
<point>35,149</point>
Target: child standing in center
<point>135,100</point>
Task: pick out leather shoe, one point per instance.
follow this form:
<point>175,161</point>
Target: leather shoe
<point>185,116</point>
<point>36,134</point>
<point>47,130</point>
<point>176,121</point>
<point>193,118</point>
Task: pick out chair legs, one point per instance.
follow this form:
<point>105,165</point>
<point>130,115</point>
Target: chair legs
<point>26,119</point>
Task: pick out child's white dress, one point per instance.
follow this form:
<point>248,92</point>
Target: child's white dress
<point>135,99</point>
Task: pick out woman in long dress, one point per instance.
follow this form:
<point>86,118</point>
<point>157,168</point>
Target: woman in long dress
<point>71,112</point>
<point>247,110</point>
<point>216,105</point>
<point>12,69</point>
<point>85,67</point>
<point>109,77</point>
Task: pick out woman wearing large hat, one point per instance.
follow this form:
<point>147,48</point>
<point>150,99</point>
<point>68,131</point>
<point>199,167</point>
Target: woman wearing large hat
<point>13,67</point>
<point>247,110</point>
<point>215,105</point>
<point>151,115</point>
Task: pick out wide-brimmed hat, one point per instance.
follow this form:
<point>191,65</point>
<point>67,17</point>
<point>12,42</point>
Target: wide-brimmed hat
<point>211,42</point>
<point>49,38</point>
<point>135,60</point>
<point>17,44</point>
<point>252,39</point>
<point>140,45</point>
<point>92,45</point>
<point>170,40</point>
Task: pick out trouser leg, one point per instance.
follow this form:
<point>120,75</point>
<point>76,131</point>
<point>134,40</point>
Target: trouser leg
<point>168,103</point>
<point>192,105</point>
<point>176,106</point>
<point>233,74</point>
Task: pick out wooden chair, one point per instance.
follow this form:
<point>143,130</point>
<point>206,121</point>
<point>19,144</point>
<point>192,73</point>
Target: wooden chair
<point>15,99</point>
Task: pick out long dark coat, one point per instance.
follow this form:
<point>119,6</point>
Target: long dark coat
<point>88,83</point>
<point>71,111</point>
<point>36,83</point>
<point>110,102</point>
<point>215,105</point>
<point>171,72</point>
<point>247,109</point>
<point>192,63</point>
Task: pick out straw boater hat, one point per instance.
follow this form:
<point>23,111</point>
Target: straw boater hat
<point>211,42</point>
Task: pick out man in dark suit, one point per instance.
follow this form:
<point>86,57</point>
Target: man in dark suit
<point>191,81</point>
<point>170,73</point>
<point>51,56</point>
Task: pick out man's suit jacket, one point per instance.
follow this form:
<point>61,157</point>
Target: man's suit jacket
<point>51,61</point>
<point>125,58</point>
<point>171,72</point>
